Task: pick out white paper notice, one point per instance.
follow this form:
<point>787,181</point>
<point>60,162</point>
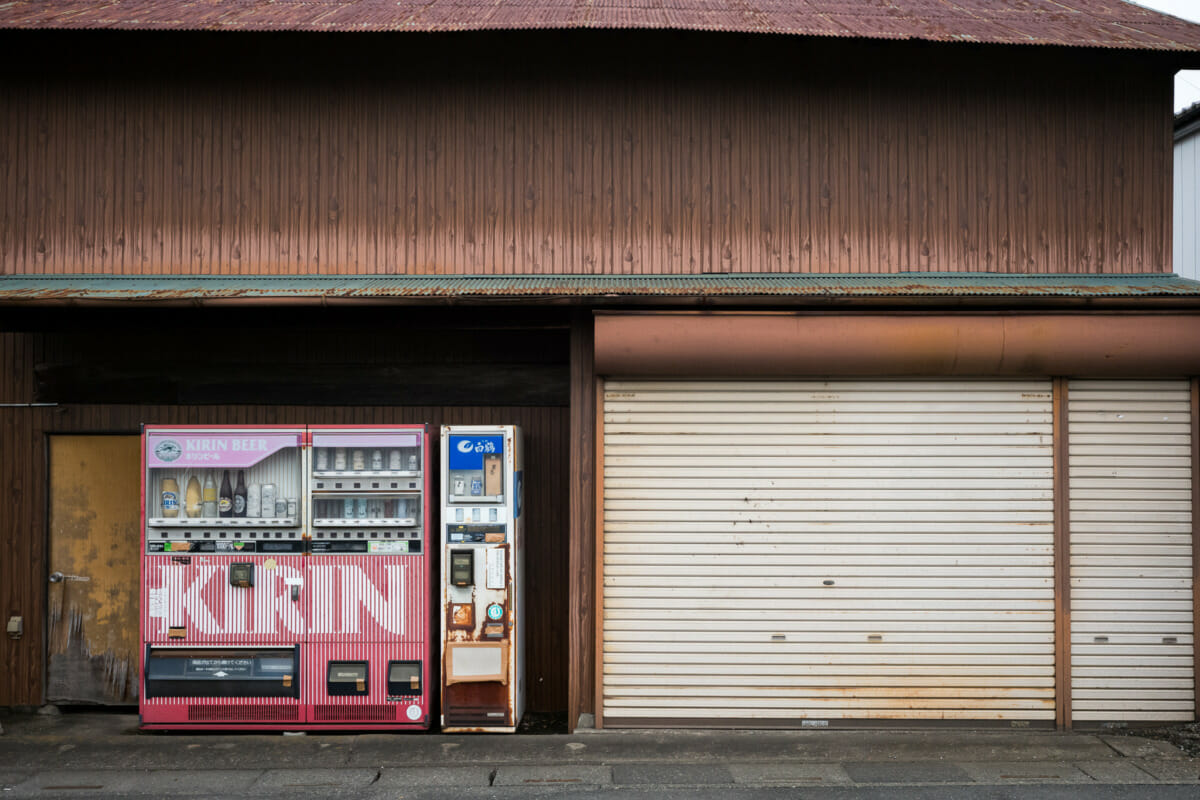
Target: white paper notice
<point>158,603</point>
<point>495,568</point>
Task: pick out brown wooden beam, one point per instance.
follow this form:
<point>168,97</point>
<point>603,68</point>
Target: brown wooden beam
<point>581,665</point>
<point>1062,560</point>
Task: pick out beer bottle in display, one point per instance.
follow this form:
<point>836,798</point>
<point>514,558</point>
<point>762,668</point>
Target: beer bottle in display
<point>225,497</point>
<point>239,496</point>
<point>210,495</point>
<point>194,503</point>
<point>170,497</point>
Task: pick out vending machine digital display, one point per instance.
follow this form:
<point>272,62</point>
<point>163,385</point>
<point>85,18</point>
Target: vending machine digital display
<point>265,606</point>
<point>483,599</point>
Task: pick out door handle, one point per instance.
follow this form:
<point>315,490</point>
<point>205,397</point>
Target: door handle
<point>295,592</point>
<point>58,577</point>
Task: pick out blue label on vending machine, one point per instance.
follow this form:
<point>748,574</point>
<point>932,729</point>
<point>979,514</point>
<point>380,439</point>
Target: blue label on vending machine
<point>467,452</point>
<point>519,495</point>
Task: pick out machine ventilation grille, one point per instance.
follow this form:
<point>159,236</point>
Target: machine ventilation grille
<point>247,713</point>
<point>331,713</point>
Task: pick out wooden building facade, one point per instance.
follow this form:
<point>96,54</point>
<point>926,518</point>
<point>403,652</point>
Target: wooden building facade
<point>572,176</point>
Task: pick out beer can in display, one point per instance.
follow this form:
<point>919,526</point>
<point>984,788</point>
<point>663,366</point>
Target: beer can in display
<point>348,508</point>
<point>360,508</point>
<point>254,500</point>
<point>281,507</point>
<point>268,500</point>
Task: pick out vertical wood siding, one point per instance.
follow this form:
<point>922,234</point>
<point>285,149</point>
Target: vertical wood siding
<point>23,487</point>
<point>1040,174</point>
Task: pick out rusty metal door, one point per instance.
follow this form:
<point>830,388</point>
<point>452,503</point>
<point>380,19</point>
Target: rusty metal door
<point>93,574</point>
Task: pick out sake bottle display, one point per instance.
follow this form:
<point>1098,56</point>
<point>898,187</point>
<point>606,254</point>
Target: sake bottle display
<point>170,497</point>
<point>194,499</point>
<point>239,496</point>
<point>210,496</point>
<point>225,497</point>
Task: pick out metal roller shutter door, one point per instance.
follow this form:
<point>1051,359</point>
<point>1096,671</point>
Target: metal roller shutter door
<point>779,551</point>
<point>1131,554</point>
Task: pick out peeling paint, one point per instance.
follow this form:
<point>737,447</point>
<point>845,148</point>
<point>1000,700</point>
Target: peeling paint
<point>94,517</point>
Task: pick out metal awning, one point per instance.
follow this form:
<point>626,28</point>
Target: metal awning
<point>77,289</point>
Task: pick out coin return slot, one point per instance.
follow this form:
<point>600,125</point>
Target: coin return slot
<point>346,678</point>
<point>404,678</point>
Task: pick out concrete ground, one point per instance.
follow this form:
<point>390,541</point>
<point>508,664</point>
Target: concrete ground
<point>104,755</point>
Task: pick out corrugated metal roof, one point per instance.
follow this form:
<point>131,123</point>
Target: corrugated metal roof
<point>39,288</point>
<point>1078,23</point>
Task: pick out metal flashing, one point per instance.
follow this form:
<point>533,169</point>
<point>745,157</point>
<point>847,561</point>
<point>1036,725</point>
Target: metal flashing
<point>29,288</point>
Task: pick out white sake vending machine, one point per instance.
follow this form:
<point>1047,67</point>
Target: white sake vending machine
<point>483,595</point>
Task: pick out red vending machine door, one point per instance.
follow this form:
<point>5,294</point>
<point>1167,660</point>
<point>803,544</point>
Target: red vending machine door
<point>223,606</point>
<point>367,662</point>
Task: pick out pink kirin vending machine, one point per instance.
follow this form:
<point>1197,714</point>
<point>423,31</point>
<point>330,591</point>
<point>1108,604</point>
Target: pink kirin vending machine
<point>282,587</point>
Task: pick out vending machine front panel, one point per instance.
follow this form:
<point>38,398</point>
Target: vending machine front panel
<point>222,576</point>
<point>369,575</point>
<point>482,579</point>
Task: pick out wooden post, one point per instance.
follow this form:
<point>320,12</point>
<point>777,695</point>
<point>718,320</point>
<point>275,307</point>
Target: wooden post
<point>581,665</point>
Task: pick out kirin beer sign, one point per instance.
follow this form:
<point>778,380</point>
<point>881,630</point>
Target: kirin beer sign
<point>332,599</point>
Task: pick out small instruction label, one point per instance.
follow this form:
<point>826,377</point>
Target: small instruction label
<point>157,603</point>
<point>387,547</point>
<point>495,568</point>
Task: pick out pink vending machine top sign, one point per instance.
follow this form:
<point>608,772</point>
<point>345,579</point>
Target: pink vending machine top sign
<point>183,449</point>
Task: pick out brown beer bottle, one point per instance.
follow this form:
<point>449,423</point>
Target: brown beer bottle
<point>225,497</point>
<point>239,496</point>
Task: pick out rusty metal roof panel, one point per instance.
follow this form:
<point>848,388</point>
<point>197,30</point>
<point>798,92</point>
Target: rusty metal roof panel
<point>37,288</point>
<point>1077,23</point>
